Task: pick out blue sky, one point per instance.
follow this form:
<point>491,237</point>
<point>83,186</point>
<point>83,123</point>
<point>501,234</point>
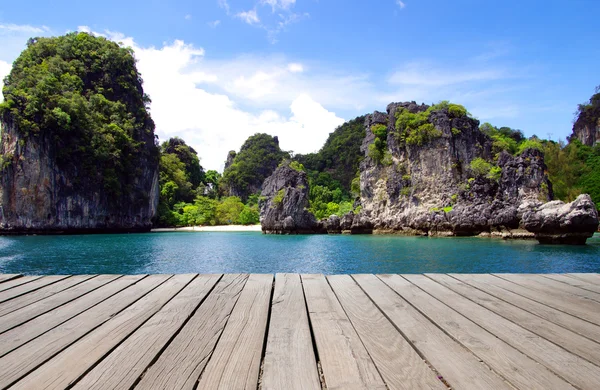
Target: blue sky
<point>221,70</point>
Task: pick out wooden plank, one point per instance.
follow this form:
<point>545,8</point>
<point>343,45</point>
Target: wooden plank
<point>31,286</point>
<point>517,368</point>
<point>7,277</point>
<point>545,285</point>
<point>594,287</point>
<point>235,362</point>
<point>590,278</point>
<point>574,369</point>
<point>567,339</point>
<point>45,292</point>
<point>398,363</point>
<point>64,369</point>
<point>290,361</point>
<point>585,309</point>
<point>459,367</point>
<point>345,361</point>
<point>184,359</point>
<point>30,312</point>
<point>18,336</point>
<point>22,361</point>
<point>486,283</point>
<point>17,282</point>
<point>123,366</point>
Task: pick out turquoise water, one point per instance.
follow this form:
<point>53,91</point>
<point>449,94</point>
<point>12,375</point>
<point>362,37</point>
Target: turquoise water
<point>207,252</point>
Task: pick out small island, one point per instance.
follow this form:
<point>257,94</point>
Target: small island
<point>79,154</point>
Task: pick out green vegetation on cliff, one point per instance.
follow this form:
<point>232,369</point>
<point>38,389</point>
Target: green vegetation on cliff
<point>588,113</point>
<point>258,158</point>
<point>82,96</point>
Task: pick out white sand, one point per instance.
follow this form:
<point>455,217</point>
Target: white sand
<point>222,228</point>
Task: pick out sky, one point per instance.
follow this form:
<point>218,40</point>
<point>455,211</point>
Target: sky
<point>218,71</point>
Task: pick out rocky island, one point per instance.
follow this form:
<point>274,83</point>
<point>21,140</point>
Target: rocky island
<point>78,148</point>
<point>430,170</point>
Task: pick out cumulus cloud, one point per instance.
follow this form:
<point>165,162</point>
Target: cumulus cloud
<point>4,70</point>
<point>295,68</point>
<point>279,4</point>
<point>400,4</point>
<point>214,23</point>
<point>249,16</point>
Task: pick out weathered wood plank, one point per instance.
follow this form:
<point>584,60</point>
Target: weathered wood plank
<point>184,359</point>
<point>574,369</point>
<point>514,366</point>
<point>458,366</point>
<point>22,361</point>
<point>290,361</point>
<point>30,312</point>
<point>582,308</point>
<point>398,363</point>
<point>544,284</point>
<point>7,277</point>
<point>27,299</point>
<point>235,362</point>
<point>17,282</point>
<point>123,366</point>
<point>487,283</point>
<point>594,287</point>
<point>590,278</point>
<point>31,286</point>
<point>65,368</point>
<point>569,340</point>
<point>345,362</point>
<point>18,336</point>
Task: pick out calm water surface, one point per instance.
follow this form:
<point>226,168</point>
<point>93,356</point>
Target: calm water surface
<point>207,252</point>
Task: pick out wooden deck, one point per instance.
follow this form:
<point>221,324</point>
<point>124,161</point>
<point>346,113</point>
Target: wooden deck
<point>290,331</point>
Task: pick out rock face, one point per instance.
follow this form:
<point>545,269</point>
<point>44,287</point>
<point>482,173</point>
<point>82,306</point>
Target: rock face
<point>284,203</point>
<point>559,223</point>
<point>586,133</point>
<point>37,196</point>
<point>431,189</point>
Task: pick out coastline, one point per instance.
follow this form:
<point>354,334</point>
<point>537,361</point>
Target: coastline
<point>219,228</point>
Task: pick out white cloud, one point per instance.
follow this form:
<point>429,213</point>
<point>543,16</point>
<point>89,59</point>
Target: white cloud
<point>188,17</point>
<point>279,4</point>
<point>4,71</point>
<point>295,67</point>
<point>431,76</point>
<point>249,16</point>
<point>25,28</point>
<point>214,23</point>
<point>400,4</point>
<point>225,5</point>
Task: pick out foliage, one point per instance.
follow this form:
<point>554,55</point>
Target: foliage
<point>229,210</point>
<point>377,149</point>
<point>495,173</point>
<point>295,165</point>
<point>415,128</point>
<point>188,156</point>
<point>531,143</point>
<point>258,158</point>
<point>588,113</point>
<point>249,215</point>
<point>456,110</point>
<point>480,167</point>
<point>278,198</point>
<point>83,95</point>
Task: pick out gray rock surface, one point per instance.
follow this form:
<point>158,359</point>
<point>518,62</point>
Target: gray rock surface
<point>284,204</point>
<point>562,223</point>
<point>38,196</point>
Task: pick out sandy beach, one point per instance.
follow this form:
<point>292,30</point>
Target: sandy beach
<point>221,228</point>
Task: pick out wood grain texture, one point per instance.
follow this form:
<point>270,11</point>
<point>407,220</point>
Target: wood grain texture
<point>594,287</point>
<point>514,366</point>
<point>544,284</point>
<point>574,305</point>
<point>27,299</point>
<point>458,366</point>
<point>569,340</point>
<point>17,282</point>
<point>123,366</point>
<point>30,312</point>
<point>37,326</point>
<point>590,278</point>
<point>487,283</point>
<point>6,277</point>
<point>345,361</point>
<point>235,362</point>
<point>574,369</point>
<point>290,361</point>
<point>23,360</point>
<point>398,363</point>
<point>65,368</point>
<point>182,362</point>
<point>28,287</point>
